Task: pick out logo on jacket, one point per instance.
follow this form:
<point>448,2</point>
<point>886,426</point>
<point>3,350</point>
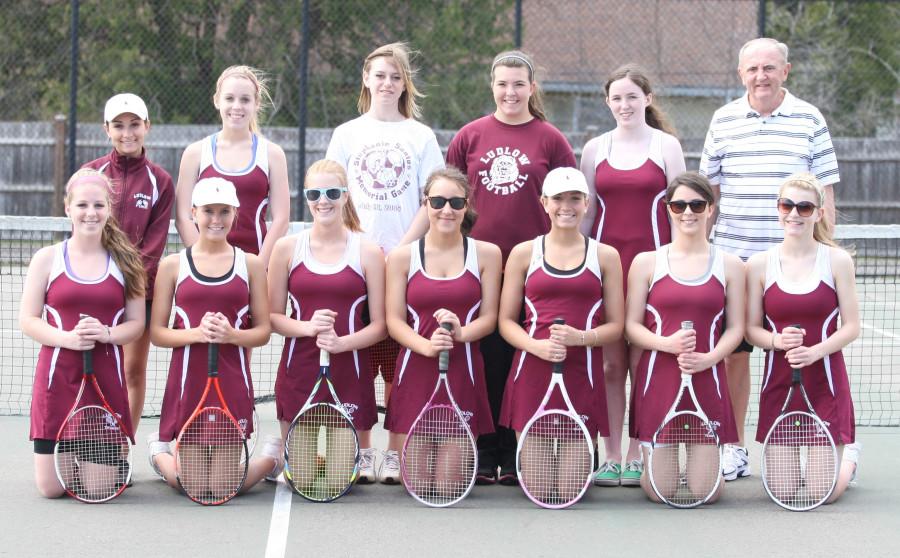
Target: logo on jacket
<point>141,201</point>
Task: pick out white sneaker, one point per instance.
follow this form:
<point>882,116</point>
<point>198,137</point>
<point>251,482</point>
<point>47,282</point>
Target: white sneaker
<point>367,465</point>
<point>273,447</point>
<point>736,462</point>
<point>389,472</point>
<point>851,453</point>
<point>155,448</point>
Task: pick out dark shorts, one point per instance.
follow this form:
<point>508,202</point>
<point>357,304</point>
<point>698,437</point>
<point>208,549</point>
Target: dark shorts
<point>744,347</point>
<point>148,305</point>
<point>106,454</point>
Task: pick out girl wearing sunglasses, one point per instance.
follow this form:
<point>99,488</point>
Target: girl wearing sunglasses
<point>627,170</point>
<point>807,280</point>
<point>506,156</point>
<point>562,274</point>
<point>329,278</point>
<point>443,277</point>
<point>687,280</point>
<point>241,155</point>
<point>388,155</point>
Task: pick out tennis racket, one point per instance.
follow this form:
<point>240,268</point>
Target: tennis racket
<point>439,457</point>
<point>321,456</point>
<point>555,453</point>
<point>211,451</point>
<point>800,462</point>
<point>685,464</point>
<point>93,450</point>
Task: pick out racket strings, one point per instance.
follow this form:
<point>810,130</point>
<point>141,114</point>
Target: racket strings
<point>322,453</point>
<point>555,460</point>
<point>685,463</point>
<point>800,462</point>
<point>439,457</point>
<point>212,457</point>
<point>93,456</point>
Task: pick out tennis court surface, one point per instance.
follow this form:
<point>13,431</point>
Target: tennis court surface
<point>151,519</point>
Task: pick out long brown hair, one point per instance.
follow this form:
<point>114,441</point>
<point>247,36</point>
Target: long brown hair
<point>656,118</point>
<point>113,240</point>
<point>400,55</point>
<point>456,176</point>
<point>518,59</point>
<point>260,84</point>
<point>348,213</point>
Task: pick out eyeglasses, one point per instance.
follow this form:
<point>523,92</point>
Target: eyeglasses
<point>438,202</point>
<point>804,208</point>
<point>678,206</point>
<point>333,193</point>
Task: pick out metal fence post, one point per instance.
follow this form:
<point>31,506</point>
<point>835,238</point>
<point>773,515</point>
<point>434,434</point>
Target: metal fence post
<point>518,24</point>
<point>59,164</point>
<point>73,88</point>
<point>761,18</point>
<point>299,206</point>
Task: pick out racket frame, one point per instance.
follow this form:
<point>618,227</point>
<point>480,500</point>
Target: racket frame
<point>556,379</point>
<point>821,427</point>
<point>88,377</point>
<point>212,383</point>
<point>324,374</point>
<point>443,368</point>
<point>687,386</point>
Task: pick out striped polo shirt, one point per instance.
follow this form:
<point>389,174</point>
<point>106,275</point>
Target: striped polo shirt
<point>749,156</point>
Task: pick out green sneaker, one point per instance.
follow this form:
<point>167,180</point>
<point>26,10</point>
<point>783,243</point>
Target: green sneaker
<point>608,474</point>
<point>631,476</point>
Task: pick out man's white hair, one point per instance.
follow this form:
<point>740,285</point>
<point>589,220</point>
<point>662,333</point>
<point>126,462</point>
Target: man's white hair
<point>781,47</point>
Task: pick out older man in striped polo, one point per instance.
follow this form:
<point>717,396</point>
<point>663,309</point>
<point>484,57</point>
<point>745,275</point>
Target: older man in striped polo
<point>753,144</point>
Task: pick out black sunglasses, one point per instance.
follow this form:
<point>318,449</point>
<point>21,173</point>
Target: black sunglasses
<point>333,193</point>
<point>804,208</point>
<point>678,206</point>
<point>438,202</point>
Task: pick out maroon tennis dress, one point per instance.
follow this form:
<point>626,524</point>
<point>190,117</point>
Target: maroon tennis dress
<point>812,304</point>
<point>417,374</point>
<point>670,301</point>
<point>195,295</point>
<point>340,287</point>
<point>577,297</point>
<point>59,371</point>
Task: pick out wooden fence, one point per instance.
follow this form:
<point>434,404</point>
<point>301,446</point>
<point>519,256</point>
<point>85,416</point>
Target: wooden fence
<point>30,164</point>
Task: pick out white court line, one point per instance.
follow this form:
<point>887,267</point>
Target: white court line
<point>276,546</point>
<point>880,331</point>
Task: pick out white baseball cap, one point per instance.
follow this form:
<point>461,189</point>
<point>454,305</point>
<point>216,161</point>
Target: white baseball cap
<point>122,103</point>
<point>208,191</point>
<point>564,179</point>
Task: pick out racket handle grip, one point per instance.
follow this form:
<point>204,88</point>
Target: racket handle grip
<point>795,372</point>
<point>558,366</point>
<point>687,324</point>
<point>324,358</point>
<point>444,356</point>
<point>88,361</point>
<point>212,360</point>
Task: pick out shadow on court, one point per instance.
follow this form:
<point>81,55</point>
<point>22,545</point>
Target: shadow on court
<point>150,519</point>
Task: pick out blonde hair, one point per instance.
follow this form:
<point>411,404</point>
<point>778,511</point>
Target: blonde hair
<point>260,83</point>
<point>400,55</point>
<point>113,240</point>
<point>518,59</point>
<point>823,230</point>
<point>348,214</point>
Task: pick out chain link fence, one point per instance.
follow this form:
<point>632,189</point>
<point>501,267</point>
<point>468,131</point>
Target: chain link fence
<point>845,55</point>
